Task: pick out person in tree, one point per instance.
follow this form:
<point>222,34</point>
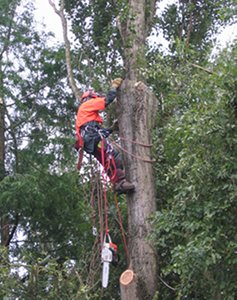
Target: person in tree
<point>90,135</point>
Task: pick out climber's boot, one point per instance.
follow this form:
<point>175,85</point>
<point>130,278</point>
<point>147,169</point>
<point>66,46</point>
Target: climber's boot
<point>124,187</point>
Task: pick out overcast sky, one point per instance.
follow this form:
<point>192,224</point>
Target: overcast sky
<point>45,13</point>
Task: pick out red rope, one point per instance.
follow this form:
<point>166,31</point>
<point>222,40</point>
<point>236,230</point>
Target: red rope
<point>100,209</point>
<point>116,200</point>
<point>104,188</point>
<point>106,202</point>
<point>111,167</point>
<point>93,206</point>
<point>121,226</point>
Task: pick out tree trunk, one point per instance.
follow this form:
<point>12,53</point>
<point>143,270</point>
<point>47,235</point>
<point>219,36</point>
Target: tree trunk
<point>4,220</point>
<point>135,125</point>
<point>136,110</point>
<point>2,154</point>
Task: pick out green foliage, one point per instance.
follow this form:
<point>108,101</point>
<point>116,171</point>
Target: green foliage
<point>195,228</point>
<point>98,43</point>
<point>43,279</point>
<point>195,24</point>
<point>51,254</point>
<point>54,220</point>
<point>56,253</point>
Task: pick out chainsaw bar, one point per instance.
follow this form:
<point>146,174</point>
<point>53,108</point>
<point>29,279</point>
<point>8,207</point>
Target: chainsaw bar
<point>106,257</point>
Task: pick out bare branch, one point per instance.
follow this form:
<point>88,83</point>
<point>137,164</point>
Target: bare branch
<point>8,35</point>
<point>71,78</point>
<point>11,234</point>
<point>203,69</point>
<point>166,284</point>
<point>54,7</point>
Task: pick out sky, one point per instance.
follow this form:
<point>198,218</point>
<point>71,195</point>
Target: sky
<point>45,14</point>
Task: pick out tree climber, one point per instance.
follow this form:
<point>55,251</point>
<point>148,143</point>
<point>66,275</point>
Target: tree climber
<point>89,130</point>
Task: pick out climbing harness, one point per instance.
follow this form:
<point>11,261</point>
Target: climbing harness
<point>109,166</point>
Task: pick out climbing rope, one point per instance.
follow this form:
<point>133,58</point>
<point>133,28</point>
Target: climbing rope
<point>107,248</point>
<point>121,226</point>
<point>147,160</point>
<point>136,143</point>
<point>104,188</point>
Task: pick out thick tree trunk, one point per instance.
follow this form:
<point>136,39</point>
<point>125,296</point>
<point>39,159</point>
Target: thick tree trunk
<point>136,110</point>
<point>4,220</point>
<point>2,151</point>
<point>135,125</point>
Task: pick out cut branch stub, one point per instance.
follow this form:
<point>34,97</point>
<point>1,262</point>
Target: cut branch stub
<point>128,283</point>
<point>127,277</point>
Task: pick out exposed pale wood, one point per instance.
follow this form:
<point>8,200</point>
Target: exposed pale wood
<point>127,277</point>
<point>128,283</point>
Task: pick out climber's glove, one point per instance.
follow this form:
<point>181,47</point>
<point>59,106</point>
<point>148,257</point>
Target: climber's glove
<point>116,83</point>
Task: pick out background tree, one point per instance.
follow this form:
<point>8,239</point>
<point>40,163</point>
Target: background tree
<point>192,95</point>
<point>48,204</point>
<point>134,27</point>
<point>38,141</point>
<point>194,230</point>
<point>136,110</point>
<point>7,8</point>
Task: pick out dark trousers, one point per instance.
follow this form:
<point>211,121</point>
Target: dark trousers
<point>112,161</point>
<point>94,145</point>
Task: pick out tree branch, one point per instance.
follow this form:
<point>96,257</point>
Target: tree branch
<point>189,30</point>
<point>8,35</point>
<point>60,13</point>
<point>150,14</point>
<point>203,69</point>
<point>13,230</point>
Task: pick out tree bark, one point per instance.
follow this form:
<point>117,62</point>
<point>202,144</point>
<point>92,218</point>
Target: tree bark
<point>2,142</point>
<point>4,222</point>
<point>136,110</point>
<point>135,125</point>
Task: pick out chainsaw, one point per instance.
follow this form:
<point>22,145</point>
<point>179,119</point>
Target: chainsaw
<point>108,255</point>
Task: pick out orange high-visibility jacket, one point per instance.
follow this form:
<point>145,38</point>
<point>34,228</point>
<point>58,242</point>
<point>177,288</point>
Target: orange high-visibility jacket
<point>89,111</point>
